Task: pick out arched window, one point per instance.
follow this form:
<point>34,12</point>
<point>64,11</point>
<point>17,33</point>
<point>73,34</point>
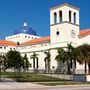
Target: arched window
<point>55,17</point>
<point>60,16</point>
<point>74,18</point>
<point>69,16</point>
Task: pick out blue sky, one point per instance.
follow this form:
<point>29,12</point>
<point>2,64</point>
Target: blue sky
<point>13,13</point>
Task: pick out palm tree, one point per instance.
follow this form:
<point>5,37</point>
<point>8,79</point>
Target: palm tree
<point>60,57</point>
<point>47,60</point>
<point>26,62</point>
<point>84,56</point>
<point>69,56</point>
<point>35,58</point>
<point>72,54</point>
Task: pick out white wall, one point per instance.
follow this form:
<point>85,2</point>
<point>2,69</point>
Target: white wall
<point>65,12</point>
<point>6,48</point>
<point>65,30</point>
<point>84,40</point>
<point>65,27</point>
<point>21,38</point>
<point>53,61</point>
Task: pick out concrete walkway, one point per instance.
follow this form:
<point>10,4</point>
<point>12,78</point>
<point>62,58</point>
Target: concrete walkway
<point>18,86</point>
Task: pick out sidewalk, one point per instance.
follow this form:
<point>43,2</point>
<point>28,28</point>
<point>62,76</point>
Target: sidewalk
<point>18,86</point>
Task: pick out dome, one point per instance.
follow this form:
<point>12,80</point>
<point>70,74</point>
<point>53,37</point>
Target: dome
<point>25,29</point>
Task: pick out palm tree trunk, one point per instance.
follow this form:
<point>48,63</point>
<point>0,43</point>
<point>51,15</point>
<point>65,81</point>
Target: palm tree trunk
<point>37,63</point>
<point>48,66</point>
<point>89,68</point>
<point>85,68</point>
<point>74,66</point>
<point>45,66</point>
<point>68,64</point>
<point>0,71</point>
<point>33,63</point>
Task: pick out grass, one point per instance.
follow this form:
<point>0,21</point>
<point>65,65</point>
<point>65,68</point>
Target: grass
<point>33,77</point>
<point>64,83</point>
<point>39,78</point>
<point>29,77</point>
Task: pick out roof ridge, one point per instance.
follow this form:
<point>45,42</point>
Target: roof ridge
<point>84,32</point>
<point>40,39</point>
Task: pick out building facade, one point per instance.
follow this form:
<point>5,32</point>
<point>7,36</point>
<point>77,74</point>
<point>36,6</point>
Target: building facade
<point>64,29</point>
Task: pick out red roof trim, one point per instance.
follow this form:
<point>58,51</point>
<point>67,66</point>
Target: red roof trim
<point>5,42</point>
<point>38,40</point>
<point>84,32</point>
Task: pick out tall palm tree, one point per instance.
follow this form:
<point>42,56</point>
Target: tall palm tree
<point>47,60</point>
<point>25,62</point>
<point>84,56</point>
<point>72,54</point>
<point>69,56</point>
<point>34,56</point>
<point>60,57</point>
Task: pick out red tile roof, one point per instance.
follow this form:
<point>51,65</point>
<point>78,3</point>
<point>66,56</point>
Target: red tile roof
<point>84,32</point>
<point>5,42</point>
<point>38,40</point>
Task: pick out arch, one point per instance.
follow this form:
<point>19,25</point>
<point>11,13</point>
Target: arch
<point>60,16</point>
<point>74,17</point>
<point>55,17</point>
<point>69,16</point>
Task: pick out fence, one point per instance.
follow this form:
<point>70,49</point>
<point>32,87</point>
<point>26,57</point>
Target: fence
<point>42,75</point>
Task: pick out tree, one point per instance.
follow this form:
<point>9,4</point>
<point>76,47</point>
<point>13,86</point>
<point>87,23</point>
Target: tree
<point>47,60</point>
<point>34,56</point>
<point>25,62</point>
<point>69,56</point>
<point>60,57</point>
<point>1,61</point>
<point>4,62</point>
<point>14,60</point>
<point>72,54</point>
<point>84,56</point>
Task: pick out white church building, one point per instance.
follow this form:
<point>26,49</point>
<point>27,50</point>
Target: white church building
<point>64,29</point>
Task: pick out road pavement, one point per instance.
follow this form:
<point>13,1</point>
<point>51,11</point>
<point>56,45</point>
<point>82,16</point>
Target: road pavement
<point>33,86</point>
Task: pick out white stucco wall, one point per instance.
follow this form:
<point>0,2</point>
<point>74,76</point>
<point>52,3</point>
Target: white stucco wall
<point>65,27</point>
<point>21,37</point>
<point>84,40</point>
<point>65,12</point>
<point>5,48</point>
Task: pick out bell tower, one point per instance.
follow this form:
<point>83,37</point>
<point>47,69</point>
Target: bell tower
<point>64,24</point>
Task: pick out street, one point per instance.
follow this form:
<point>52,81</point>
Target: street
<point>33,86</point>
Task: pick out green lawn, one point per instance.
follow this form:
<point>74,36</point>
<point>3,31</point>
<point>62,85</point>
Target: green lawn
<point>29,77</point>
<point>39,78</point>
<point>63,83</point>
